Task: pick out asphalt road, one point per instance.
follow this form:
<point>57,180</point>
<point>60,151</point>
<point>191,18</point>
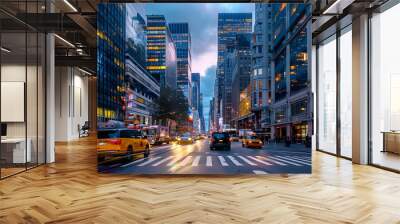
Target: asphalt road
<point>197,158</point>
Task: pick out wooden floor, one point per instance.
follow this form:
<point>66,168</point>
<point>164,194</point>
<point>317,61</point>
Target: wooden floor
<point>71,191</point>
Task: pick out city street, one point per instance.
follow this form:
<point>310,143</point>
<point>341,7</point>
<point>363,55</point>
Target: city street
<point>197,158</point>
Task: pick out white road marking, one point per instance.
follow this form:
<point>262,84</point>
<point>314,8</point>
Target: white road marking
<point>149,161</point>
<point>259,172</point>
<point>234,161</point>
<point>185,161</point>
<point>196,161</point>
<point>222,160</point>
<point>247,161</point>
<point>163,160</point>
<point>271,160</point>
<point>209,161</point>
<point>286,161</point>
<point>136,161</point>
<point>305,159</point>
<point>294,160</point>
<point>174,161</point>
<point>259,160</point>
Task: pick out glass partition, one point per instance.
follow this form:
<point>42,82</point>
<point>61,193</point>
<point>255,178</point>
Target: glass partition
<point>22,77</point>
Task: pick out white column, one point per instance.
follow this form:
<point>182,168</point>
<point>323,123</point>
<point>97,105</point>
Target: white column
<point>50,98</point>
<point>360,90</point>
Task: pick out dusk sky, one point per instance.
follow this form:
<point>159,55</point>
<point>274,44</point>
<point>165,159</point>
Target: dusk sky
<point>203,21</point>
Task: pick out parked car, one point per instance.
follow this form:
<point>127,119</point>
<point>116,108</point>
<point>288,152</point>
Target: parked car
<point>185,138</point>
<point>121,142</point>
<point>252,141</point>
<point>220,140</point>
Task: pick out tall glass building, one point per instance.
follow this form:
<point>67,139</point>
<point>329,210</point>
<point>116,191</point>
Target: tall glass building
<point>292,96</point>
<point>142,89</point>
<point>110,62</point>
<point>181,35</point>
<point>229,24</point>
<point>161,51</point>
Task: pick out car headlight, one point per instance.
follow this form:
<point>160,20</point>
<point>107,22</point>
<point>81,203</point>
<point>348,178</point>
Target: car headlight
<point>190,139</point>
<point>178,139</point>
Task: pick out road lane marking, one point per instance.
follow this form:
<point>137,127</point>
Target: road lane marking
<point>174,161</point>
<point>293,160</point>
<point>185,161</point>
<point>209,161</point>
<point>163,160</point>
<point>149,161</point>
<point>222,160</point>
<point>259,172</point>
<point>136,161</point>
<point>196,161</point>
<point>247,161</point>
<point>234,161</point>
<point>305,159</point>
<point>271,160</point>
<point>286,161</point>
<point>259,160</point>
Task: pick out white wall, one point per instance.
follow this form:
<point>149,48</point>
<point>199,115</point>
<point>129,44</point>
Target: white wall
<point>71,102</point>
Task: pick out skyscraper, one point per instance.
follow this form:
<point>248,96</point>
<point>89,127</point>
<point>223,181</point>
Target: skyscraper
<point>261,95</point>
<point>196,91</point>
<point>142,89</point>
<point>181,36</point>
<point>161,51</point>
<point>292,98</point>
<point>229,24</point>
<point>110,62</point>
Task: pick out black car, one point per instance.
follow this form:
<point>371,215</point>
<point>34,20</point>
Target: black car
<point>220,140</point>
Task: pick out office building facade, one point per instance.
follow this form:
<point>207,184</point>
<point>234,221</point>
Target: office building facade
<point>182,38</point>
<point>241,88</point>
<point>110,63</point>
<point>291,117</point>
<point>261,83</point>
<point>142,89</point>
<point>161,52</point>
<point>229,24</point>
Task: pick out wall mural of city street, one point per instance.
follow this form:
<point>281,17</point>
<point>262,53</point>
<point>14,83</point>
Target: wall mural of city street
<point>196,88</point>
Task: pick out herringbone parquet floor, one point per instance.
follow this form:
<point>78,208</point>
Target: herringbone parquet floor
<point>71,191</point>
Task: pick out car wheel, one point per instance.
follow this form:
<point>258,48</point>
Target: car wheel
<point>243,145</point>
<point>147,152</point>
<point>101,159</point>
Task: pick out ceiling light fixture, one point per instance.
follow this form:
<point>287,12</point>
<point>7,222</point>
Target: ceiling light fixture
<point>64,40</point>
<point>5,50</point>
<point>70,5</point>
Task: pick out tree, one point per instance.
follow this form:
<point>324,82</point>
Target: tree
<point>172,105</point>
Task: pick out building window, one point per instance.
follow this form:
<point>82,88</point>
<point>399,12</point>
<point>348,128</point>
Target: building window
<point>327,95</point>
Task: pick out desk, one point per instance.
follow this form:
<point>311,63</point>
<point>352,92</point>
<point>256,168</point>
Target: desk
<point>391,141</point>
<point>13,150</point>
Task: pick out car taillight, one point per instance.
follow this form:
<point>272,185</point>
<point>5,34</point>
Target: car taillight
<point>114,141</point>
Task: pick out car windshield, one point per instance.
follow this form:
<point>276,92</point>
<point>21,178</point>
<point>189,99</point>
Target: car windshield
<point>220,135</point>
<point>186,135</point>
<point>253,137</point>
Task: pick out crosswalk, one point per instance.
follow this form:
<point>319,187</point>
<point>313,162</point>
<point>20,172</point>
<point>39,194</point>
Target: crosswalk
<point>224,161</point>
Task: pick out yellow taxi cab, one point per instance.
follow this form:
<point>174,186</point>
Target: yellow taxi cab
<point>252,141</point>
<point>121,142</point>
